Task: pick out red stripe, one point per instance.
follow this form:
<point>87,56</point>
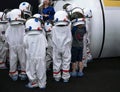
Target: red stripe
<point>88,52</point>
<point>33,83</point>
<point>65,70</point>
<point>12,72</point>
<point>56,72</point>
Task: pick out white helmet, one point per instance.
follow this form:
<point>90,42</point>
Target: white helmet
<point>48,26</point>
<point>39,16</point>
<point>3,18</point>
<point>61,18</point>
<point>87,13</point>
<point>33,24</point>
<point>77,16</point>
<point>77,9</point>
<point>78,21</point>
<point>26,8</point>
<point>1,14</point>
<point>15,16</point>
<point>68,7</point>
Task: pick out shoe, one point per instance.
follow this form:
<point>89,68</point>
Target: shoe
<point>66,80</point>
<point>73,74</point>
<point>80,74</point>
<point>57,79</point>
<point>31,85</point>
<point>14,77</point>
<point>23,76</point>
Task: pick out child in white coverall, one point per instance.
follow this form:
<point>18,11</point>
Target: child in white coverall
<point>14,37</point>
<point>35,44</point>
<point>62,39</point>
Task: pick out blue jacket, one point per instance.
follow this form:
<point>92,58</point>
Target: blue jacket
<point>49,11</point>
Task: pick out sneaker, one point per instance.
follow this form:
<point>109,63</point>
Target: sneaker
<point>14,77</point>
<point>66,80</point>
<point>23,76</point>
<point>80,74</point>
<point>31,85</point>
<point>73,74</point>
<point>57,79</point>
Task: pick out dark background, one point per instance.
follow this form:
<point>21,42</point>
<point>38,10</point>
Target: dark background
<point>100,76</point>
<point>11,4</point>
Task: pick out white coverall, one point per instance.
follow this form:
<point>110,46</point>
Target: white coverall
<point>35,44</point>
<point>62,39</point>
<point>3,46</point>
<point>14,35</point>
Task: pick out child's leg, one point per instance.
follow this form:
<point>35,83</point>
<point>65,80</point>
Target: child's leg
<point>56,64</point>
<point>74,61</point>
<point>81,66</point>
<point>66,57</point>
<point>41,73</point>
<point>31,73</point>
<point>74,66</point>
<point>13,73</point>
<point>80,62</point>
<point>22,62</point>
<point>74,69</point>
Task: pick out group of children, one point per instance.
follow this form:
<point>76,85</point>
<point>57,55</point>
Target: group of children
<point>41,39</point>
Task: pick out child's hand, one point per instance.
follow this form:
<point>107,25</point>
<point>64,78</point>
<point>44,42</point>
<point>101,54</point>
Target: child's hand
<point>45,15</point>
